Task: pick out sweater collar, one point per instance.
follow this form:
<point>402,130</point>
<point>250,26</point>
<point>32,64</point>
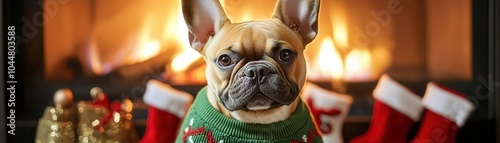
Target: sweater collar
<point>213,119</point>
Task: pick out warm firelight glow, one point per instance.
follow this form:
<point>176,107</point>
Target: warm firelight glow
<point>245,16</point>
<point>182,61</point>
<point>185,68</point>
<point>328,64</point>
<point>186,55</point>
<point>336,60</point>
<point>181,70</point>
<point>383,56</point>
<point>340,33</point>
<point>358,65</point>
<point>330,60</point>
<point>95,63</point>
<point>149,50</point>
<point>149,33</point>
<point>248,10</point>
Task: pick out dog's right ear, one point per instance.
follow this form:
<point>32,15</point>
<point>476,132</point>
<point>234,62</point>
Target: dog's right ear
<point>204,19</point>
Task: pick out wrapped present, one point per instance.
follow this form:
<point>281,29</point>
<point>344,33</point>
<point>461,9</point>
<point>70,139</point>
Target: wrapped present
<point>56,124</point>
<point>101,121</point>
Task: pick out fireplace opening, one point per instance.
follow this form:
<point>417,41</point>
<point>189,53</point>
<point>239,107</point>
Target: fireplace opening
<point>357,40</point>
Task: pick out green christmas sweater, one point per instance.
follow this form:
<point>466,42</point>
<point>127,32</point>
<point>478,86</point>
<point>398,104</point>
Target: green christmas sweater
<point>204,124</point>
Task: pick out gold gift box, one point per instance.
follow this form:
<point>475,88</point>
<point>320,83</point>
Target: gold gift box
<point>89,123</point>
<point>119,128</point>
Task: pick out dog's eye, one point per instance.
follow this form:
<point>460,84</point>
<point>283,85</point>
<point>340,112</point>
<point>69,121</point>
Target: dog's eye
<point>286,55</point>
<point>224,60</point>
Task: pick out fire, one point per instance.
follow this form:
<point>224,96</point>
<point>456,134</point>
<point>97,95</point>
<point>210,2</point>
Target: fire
<point>358,65</point>
<point>182,61</point>
<point>184,67</point>
<point>186,55</point>
<point>149,50</point>
<point>330,65</point>
<point>336,59</point>
<point>160,31</point>
<point>328,62</point>
<point>145,46</point>
<point>95,63</point>
<point>340,34</point>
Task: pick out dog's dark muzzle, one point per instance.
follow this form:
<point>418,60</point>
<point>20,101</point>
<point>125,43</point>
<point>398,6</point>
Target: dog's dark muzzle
<point>257,86</point>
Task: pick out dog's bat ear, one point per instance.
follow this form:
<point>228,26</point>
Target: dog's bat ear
<point>299,15</point>
<point>204,19</point>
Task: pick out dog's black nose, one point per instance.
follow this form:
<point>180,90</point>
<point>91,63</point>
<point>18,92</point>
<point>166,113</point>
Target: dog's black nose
<point>257,72</point>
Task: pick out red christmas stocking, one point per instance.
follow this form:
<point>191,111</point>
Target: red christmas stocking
<point>394,112</point>
<point>446,111</point>
<point>167,107</point>
<point>329,110</point>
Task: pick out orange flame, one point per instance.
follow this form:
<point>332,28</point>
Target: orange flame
<point>147,51</point>
<point>186,55</point>
<point>340,33</point>
<point>358,65</point>
<point>328,64</point>
<point>181,70</point>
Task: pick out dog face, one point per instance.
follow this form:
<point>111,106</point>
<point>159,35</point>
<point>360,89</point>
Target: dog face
<point>255,69</point>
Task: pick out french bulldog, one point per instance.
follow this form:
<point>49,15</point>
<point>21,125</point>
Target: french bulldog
<point>256,69</point>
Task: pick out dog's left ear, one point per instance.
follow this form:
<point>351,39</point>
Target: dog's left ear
<point>204,19</point>
<point>299,15</point>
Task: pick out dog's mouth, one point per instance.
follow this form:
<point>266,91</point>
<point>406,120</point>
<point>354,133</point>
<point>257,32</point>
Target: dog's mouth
<point>257,101</point>
<point>260,102</point>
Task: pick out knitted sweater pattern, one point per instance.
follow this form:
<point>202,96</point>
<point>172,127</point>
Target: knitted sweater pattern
<point>203,123</point>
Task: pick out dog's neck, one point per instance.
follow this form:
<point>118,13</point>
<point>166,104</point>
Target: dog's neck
<point>260,117</point>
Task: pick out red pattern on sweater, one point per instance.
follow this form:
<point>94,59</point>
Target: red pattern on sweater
<point>310,137</point>
<point>211,139</point>
<point>192,132</point>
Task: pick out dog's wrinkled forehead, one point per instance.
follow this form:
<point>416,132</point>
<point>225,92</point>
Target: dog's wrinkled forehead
<point>254,38</point>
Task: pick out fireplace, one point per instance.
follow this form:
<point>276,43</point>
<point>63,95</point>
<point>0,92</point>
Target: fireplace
<point>120,45</point>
